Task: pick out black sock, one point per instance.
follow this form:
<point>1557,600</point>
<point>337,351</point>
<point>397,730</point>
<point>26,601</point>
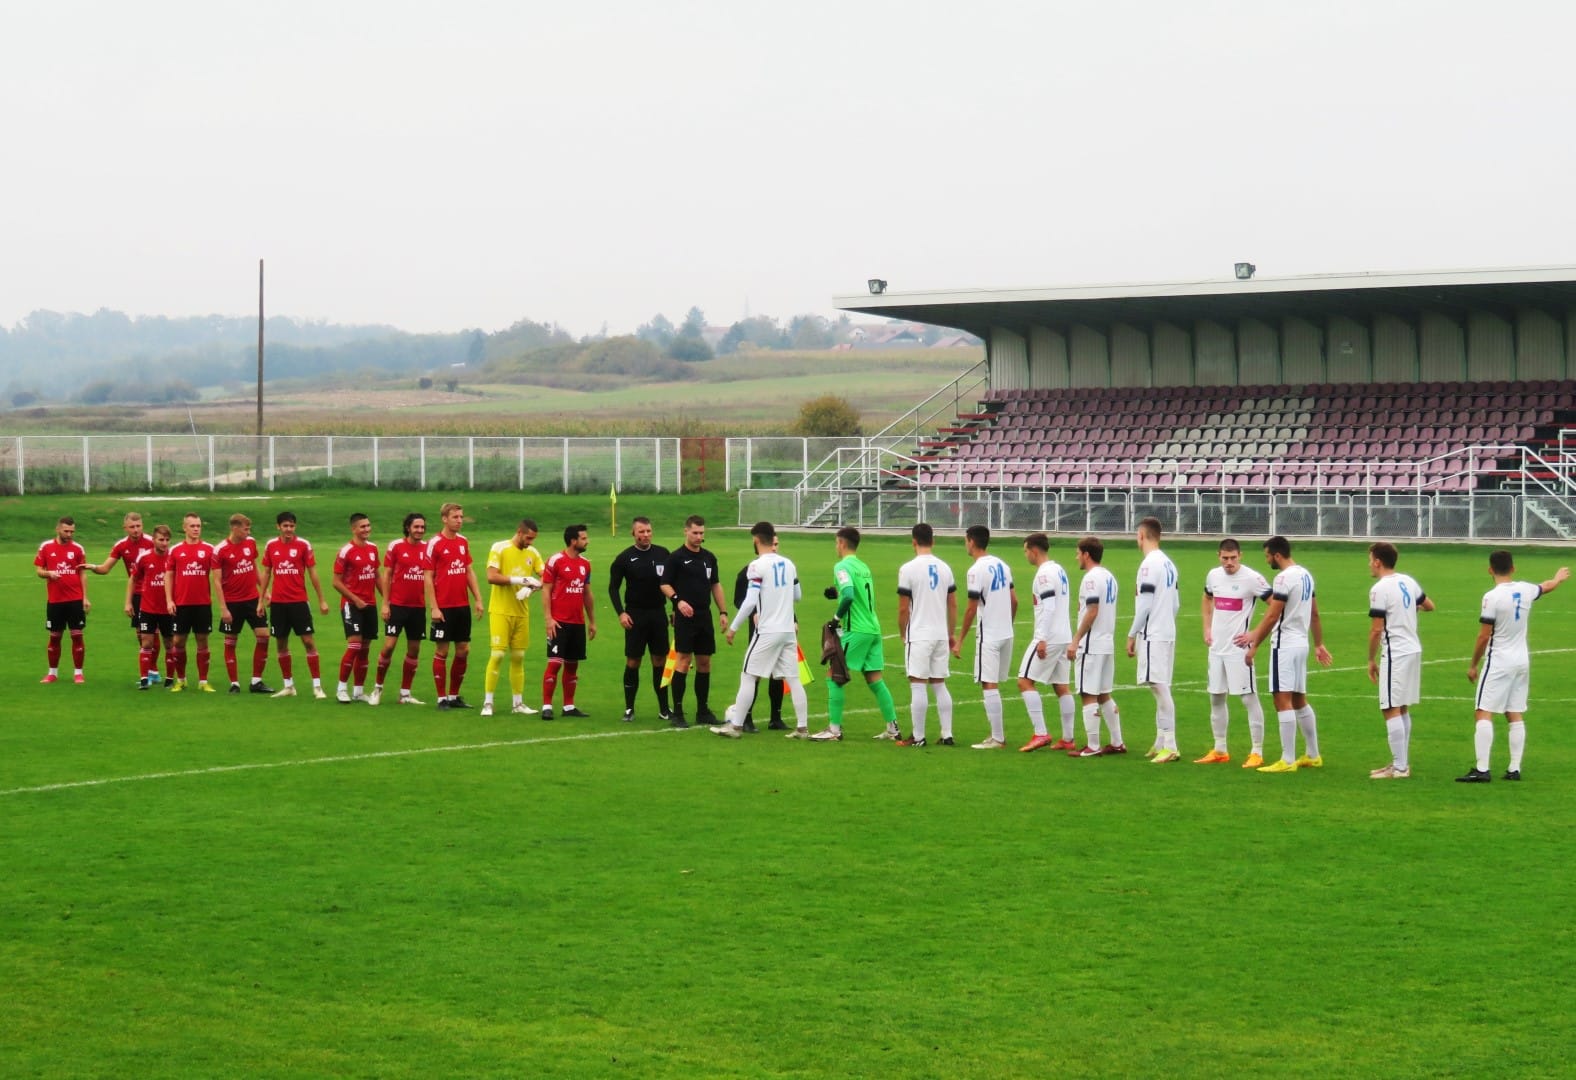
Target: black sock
<point>631,684</point>
<point>662,691</point>
<point>702,691</point>
<point>679,679</point>
<point>774,691</point>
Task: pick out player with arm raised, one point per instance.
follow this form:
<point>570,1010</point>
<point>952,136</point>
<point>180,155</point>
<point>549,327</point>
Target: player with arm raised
<point>773,652</point>
<point>126,551</point>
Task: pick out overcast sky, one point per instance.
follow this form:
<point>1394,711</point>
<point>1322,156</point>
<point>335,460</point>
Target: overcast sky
<point>466,164</point>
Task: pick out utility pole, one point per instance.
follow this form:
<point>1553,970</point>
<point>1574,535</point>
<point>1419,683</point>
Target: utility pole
<point>259,473</point>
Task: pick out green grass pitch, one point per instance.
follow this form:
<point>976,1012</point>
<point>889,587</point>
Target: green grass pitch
<point>214,886</point>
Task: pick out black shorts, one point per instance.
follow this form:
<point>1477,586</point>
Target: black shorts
<point>242,613</point>
<point>69,615</point>
<point>455,625</point>
<point>287,619</point>
<point>569,644</point>
<point>136,612</point>
<point>649,634</point>
<point>412,620</point>
<point>193,619</point>
<point>697,636</point>
<point>162,625</point>
<point>361,622</point>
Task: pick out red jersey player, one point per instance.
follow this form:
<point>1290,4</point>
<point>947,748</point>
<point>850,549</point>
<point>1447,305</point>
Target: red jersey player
<point>125,551</point>
<point>407,592</point>
<point>566,592</point>
<point>240,580</point>
<point>60,562</point>
<point>190,579</point>
<point>356,581</point>
<point>288,564</point>
<point>453,580</point>
<point>155,626</point>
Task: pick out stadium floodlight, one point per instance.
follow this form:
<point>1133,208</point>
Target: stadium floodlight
<point>877,286</point>
<point>1245,271</point>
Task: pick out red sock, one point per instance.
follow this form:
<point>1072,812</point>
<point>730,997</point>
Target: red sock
<point>571,680</point>
<point>202,664</point>
<point>178,654</point>
<point>408,673</point>
<point>259,658</point>
<point>312,666</point>
<point>347,662</point>
<point>53,651</point>
<point>457,673</point>
<point>169,659</point>
<point>384,660</point>
<point>145,662</point>
<point>440,673</point>
<point>230,667</point>
<point>78,649</point>
<point>550,680</point>
<point>359,676</point>
<point>285,664</point>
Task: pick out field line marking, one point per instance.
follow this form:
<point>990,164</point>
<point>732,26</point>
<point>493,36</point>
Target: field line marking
<point>370,755</point>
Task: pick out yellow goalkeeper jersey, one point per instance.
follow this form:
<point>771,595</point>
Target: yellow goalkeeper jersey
<point>509,560</point>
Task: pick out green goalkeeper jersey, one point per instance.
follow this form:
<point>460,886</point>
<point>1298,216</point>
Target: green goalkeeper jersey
<point>856,593</point>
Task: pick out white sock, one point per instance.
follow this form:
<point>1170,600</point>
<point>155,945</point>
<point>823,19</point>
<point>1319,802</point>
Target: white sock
<point>801,704</point>
<point>944,708</point>
<point>741,704</point>
<point>517,700</point>
<point>1483,742</point>
<point>1518,742</point>
<point>1069,717</point>
<point>1219,720</point>
<point>918,706</point>
<point>1288,735</point>
<point>1310,729</point>
<point>1395,729</point>
<point>1165,716</point>
<point>1092,724</point>
<point>1113,720</point>
<point>993,714</point>
<point>1406,721</point>
<point>343,686</point>
<point>1255,709</point>
<point>1036,707</point>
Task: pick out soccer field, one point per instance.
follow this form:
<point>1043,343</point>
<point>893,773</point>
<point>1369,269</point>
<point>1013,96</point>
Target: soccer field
<point>211,885</point>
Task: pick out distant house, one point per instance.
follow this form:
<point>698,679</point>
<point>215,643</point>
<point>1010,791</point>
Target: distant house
<point>955,341</point>
<point>713,335</point>
<point>891,336</point>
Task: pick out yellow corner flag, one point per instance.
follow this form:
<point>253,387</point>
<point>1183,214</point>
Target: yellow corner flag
<point>612,499</point>
<point>806,676</point>
<point>669,665</point>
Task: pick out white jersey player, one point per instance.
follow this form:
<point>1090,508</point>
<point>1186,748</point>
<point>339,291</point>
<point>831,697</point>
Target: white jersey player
<point>1393,604</point>
<point>1290,622</point>
<point>993,602</point>
<point>1152,638</point>
<point>1502,657</point>
<point>1230,591</point>
<point>1045,660</point>
<point>773,652</point>
<point>1093,651</point>
<point>927,621</point>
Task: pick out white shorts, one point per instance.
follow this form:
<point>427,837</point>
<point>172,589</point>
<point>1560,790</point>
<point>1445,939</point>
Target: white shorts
<point>1289,670</point>
<point>1503,690</point>
<point>1053,669</point>
<point>1157,660</point>
<point>1094,672</point>
<point>1400,681</point>
<point>772,656</point>
<point>1229,673</point>
<point>993,660</point>
<point>925,659</point>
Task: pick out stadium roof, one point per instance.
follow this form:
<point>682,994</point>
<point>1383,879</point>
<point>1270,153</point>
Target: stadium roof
<point>1315,296</point>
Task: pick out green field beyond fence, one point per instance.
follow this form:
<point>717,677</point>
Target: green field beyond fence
<point>209,886</point>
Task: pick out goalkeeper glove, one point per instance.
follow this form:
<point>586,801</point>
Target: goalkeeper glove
<point>831,592</point>
<point>528,585</point>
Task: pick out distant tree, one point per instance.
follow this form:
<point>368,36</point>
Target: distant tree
<point>451,385</point>
<point>424,383</point>
<point>179,390</point>
<point>760,331</point>
<point>478,348</point>
<point>826,416</point>
<point>810,332</point>
<point>694,323</point>
<point>689,349</point>
<point>96,392</point>
<point>23,398</point>
<point>659,331</point>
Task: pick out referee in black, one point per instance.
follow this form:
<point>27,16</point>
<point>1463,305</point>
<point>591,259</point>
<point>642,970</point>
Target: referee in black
<point>634,586</point>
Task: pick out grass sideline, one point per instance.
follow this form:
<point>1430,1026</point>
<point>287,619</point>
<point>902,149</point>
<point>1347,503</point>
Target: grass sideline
<point>306,889</point>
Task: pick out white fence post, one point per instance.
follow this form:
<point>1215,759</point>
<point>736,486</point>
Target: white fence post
<point>421,473</point>
<point>87,483</point>
<point>330,455</point>
<point>470,463</point>
<point>374,461</point>
<point>210,463</point>
<point>566,467</point>
<point>150,462</point>
<point>656,456</point>
<point>271,462</point>
<point>21,471</point>
<point>522,463</point>
<point>678,461</point>
<point>618,463</point>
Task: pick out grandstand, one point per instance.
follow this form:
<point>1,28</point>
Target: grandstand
<point>1433,404</point>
